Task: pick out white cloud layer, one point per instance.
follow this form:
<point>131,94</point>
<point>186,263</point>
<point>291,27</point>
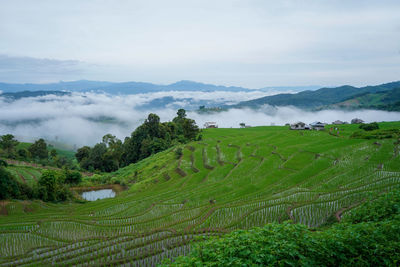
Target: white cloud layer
<point>82,119</point>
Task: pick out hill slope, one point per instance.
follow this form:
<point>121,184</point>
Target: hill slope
<point>385,100</point>
<point>317,98</point>
<point>233,179</point>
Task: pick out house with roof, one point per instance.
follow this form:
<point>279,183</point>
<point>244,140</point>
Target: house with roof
<point>317,125</point>
<point>356,121</point>
<point>299,126</point>
<point>210,124</point>
<point>338,122</point>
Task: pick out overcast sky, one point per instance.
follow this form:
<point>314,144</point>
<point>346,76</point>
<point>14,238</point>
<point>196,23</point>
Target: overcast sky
<point>251,43</point>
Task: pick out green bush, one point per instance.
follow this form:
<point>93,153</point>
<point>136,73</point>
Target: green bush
<point>370,236</point>
<point>369,126</point>
<point>376,134</point>
<point>51,187</point>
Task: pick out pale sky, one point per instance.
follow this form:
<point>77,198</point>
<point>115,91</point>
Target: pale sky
<point>250,43</point>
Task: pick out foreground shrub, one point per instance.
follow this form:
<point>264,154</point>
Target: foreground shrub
<point>369,237</point>
<point>369,126</point>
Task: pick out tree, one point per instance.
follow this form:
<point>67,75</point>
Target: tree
<point>181,113</point>
<point>8,144</point>
<point>82,153</point>
<point>51,188</point>
<point>8,185</point>
<point>47,185</point>
<point>152,123</point>
<point>242,125</point>
<point>190,129</point>
<point>53,153</point>
<point>114,148</point>
<point>72,177</point>
<point>39,149</point>
<point>369,126</point>
<point>22,153</point>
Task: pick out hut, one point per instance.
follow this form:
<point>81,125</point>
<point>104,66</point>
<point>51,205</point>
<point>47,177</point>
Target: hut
<point>299,126</point>
<point>317,125</point>
<point>210,124</point>
<point>356,121</point>
<point>338,122</point>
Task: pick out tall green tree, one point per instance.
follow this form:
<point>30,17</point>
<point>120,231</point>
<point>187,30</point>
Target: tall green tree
<point>114,148</point>
<point>39,149</point>
<point>8,185</point>
<point>8,143</point>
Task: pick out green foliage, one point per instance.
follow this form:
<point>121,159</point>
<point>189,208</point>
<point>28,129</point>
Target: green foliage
<point>373,227</point>
<point>376,134</point>
<point>369,126</point>
<point>38,149</point>
<point>178,152</point>
<point>72,177</point>
<point>22,154</point>
<point>51,187</point>
<point>8,185</point>
<point>385,207</point>
<point>3,163</point>
<point>149,138</point>
<point>233,179</point>
<point>8,144</point>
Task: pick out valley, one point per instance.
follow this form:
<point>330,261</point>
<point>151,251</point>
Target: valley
<point>232,179</point>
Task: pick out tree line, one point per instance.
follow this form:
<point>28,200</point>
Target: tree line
<point>149,138</point>
<point>38,152</point>
<point>51,186</point>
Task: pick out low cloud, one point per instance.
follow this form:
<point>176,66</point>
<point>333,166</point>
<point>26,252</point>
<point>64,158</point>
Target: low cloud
<point>83,118</point>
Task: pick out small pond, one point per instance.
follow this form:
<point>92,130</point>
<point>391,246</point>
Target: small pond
<point>98,194</point>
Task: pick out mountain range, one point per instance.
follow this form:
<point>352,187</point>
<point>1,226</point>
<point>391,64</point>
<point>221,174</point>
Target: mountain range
<point>136,87</point>
<point>384,96</point>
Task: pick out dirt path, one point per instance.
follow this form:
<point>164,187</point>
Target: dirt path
<point>21,177</point>
<point>339,213</point>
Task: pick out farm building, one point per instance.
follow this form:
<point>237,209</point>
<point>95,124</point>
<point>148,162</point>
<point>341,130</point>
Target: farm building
<point>299,126</point>
<point>317,125</point>
<point>338,122</point>
<point>356,121</point>
<point>210,124</point>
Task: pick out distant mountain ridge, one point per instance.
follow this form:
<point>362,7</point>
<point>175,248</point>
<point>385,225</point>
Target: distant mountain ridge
<point>383,100</point>
<point>135,87</point>
<point>19,95</point>
<point>317,99</point>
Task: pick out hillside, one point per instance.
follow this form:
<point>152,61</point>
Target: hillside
<point>232,179</point>
<point>318,98</point>
<point>385,100</point>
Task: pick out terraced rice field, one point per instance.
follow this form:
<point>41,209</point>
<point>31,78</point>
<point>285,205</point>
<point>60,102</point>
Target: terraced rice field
<point>232,179</point>
<point>26,174</point>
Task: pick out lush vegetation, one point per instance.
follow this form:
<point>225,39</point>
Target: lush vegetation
<point>370,236</point>
<point>369,126</point>
<point>384,96</point>
<point>48,185</point>
<point>10,187</point>
<point>149,138</point>
<point>38,152</point>
<point>232,179</point>
<point>383,100</point>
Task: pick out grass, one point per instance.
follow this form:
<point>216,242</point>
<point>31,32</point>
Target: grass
<point>232,179</point>
<point>62,150</point>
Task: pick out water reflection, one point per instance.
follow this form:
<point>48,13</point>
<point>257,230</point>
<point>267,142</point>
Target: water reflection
<point>98,194</point>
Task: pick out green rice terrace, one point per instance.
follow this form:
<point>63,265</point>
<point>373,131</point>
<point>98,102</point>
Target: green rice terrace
<point>232,179</point>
